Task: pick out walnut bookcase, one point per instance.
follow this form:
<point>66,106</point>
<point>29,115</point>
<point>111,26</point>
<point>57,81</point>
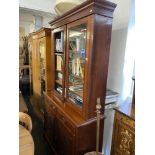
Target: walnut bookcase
<point>80,42</point>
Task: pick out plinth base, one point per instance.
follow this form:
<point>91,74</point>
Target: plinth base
<point>93,153</point>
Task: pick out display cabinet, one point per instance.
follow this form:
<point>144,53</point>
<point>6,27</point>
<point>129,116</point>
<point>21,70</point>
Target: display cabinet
<point>40,58</point>
<point>80,55</point>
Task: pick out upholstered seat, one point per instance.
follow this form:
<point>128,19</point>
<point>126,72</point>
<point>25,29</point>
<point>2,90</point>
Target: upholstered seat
<point>25,120</point>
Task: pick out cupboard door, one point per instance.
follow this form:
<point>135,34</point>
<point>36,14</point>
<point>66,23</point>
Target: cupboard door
<point>49,117</point>
<point>58,62</point>
<point>63,140</point>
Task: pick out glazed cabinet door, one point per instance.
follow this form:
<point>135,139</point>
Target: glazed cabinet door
<point>41,45</point>
<point>58,61</point>
<point>76,64</point>
<point>30,45</point>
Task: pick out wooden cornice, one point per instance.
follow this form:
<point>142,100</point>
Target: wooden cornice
<point>101,7</point>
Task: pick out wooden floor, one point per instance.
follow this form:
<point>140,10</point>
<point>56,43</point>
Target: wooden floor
<point>41,146</point>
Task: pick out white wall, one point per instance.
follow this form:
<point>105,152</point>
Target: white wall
<point>118,45</point>
<point>42,5</point>
<point>26,20</point>
<point>116,60</point>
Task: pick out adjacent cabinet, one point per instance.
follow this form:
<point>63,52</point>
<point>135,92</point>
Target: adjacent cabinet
<point>80,45</point>
<point>124,132</point>
<point>123,142</point>
<point>40,60</point>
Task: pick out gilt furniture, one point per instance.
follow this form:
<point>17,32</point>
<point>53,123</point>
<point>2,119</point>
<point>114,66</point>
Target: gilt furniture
<point>123,142</point>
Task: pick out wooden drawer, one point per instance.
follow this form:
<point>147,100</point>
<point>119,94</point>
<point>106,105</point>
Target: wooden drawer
<point>70,127</point>
<point>50,106</point>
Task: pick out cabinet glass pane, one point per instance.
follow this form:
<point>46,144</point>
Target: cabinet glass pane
<point>42,66</point>
<point>59,61</point>
<point>42,75</point>
<point>77,43</point>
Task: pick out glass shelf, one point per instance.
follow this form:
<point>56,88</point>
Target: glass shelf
<point>60,71</point>
<point>59,53</point>
<point>59,82</point>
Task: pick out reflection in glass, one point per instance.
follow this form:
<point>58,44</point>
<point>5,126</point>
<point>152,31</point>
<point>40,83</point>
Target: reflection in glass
<point>77,42</point>
<point>42,75</point>
<point>42,67</point>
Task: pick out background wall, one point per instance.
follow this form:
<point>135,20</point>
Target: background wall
<point>118,46</point>
<point>116,60</point>
<point>30,21</point>
<point>27,20</point>
<point>41,5</point>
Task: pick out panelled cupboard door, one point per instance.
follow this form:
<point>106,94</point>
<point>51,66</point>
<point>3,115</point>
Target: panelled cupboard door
<point>49,116</point>
<point>63,140</point>
<point>78,36</point>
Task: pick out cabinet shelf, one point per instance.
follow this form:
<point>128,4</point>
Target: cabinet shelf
<point>60,71</point>
<point>77,92</point>
<point>77,77</point>
<point>59,82</point>
<point>58,51</point>
<point>60,54</point>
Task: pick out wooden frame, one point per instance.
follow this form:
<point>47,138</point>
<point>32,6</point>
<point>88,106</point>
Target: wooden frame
<point>63,28</point>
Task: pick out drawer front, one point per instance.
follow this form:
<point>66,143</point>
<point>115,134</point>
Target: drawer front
<point>70,127</point>
<point>50,106</point>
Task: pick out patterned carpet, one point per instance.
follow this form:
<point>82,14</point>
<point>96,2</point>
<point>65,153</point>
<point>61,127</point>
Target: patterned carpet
<point>41,146</point>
